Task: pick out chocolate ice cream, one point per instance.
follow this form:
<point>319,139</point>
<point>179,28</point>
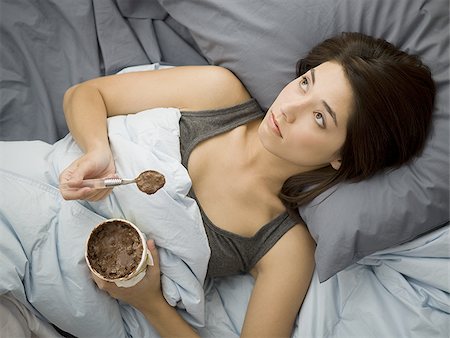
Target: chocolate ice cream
<point>150,181</point>
<point>114,249</point>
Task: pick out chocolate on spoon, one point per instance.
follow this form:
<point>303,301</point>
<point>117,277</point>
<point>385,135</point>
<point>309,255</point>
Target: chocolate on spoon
<point>149,181</point>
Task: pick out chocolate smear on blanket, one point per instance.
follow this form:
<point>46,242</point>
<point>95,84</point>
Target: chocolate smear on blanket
<point>114,249</point>
<point>150,181</point>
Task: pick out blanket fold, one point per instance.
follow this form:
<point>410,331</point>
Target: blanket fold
<point>43,236</point>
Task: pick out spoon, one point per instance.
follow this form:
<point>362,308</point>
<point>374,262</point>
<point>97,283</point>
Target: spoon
<point>149,181</point>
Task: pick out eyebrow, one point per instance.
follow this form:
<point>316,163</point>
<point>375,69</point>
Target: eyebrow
<point>330,111</point>
<point>313,77</point>
<point>326,105</point>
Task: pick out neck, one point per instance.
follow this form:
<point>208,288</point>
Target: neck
<point>263,166</point>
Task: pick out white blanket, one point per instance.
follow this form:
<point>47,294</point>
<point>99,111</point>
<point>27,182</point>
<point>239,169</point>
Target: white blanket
<point>403,291</point>
<point>43,237</point>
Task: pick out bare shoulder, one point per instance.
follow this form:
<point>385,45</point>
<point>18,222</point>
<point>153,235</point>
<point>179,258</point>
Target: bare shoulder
<point>292,257</point>
<point>213,87</point>
<point>282,278</point>
<point>296,246</point>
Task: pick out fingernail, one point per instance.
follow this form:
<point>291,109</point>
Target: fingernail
<point>151,244</point>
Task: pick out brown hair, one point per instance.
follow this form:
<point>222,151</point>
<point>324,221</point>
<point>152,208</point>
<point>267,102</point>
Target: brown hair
<point>393,102</point>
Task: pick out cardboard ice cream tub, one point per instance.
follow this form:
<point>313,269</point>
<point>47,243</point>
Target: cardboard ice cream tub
<point>116,251</point>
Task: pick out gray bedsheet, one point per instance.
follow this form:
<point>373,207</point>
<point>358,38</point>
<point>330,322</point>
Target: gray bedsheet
<point>48,45</point>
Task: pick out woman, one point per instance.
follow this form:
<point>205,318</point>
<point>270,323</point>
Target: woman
<point>359,105</point>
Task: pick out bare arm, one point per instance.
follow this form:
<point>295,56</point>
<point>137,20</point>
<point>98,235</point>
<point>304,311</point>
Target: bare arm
<point>167,321</point>
<point>87,105</point>
<point>282,280</point>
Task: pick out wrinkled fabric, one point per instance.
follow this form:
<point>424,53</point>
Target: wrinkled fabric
<point>403,291</point>
<point>43,236</point>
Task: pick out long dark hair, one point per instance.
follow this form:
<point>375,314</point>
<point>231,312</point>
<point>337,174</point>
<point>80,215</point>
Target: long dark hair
<point>393,102</point>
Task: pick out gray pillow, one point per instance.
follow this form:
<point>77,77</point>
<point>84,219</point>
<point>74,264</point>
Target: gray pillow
<point>261,40</point>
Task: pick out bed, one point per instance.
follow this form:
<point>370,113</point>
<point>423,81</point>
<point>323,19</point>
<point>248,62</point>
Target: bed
<point>382,270</point>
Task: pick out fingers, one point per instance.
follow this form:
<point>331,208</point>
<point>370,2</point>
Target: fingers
<point>100,282</point>
<point>70,191</point>
<point>91,165</point>
<point>109,287</point>
<point>95,194</point>
<point>104,285</point>
<point>146,290</point>
<point>153,251</point>
<point>70,182</point>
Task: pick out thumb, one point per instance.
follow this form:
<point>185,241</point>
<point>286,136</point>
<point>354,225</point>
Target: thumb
<point>153,251</point>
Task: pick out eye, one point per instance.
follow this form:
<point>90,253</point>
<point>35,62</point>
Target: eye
<point>319,119</point>
<point>304,83</point>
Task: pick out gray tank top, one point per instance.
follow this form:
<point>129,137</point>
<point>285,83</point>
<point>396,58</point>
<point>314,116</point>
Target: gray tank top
<point>230,253</point>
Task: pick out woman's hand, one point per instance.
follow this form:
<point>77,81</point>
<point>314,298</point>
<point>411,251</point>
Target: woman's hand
<point>145,295</point>
<point>93,164</point>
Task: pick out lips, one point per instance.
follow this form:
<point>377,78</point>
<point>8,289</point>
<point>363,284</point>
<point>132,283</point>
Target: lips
<point>274,125</point>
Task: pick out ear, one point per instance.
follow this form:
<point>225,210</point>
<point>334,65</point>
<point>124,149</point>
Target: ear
<point>336,164</point>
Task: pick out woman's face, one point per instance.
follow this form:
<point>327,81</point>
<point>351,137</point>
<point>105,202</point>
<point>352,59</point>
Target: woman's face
<point>306,124</point>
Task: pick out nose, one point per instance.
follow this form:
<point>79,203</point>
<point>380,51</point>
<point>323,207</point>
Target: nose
<point>292,110</point>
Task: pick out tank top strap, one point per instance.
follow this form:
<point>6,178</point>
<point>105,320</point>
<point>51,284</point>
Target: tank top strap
<point>197,126</point>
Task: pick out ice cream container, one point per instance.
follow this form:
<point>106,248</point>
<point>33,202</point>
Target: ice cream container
<point>116,251</point>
